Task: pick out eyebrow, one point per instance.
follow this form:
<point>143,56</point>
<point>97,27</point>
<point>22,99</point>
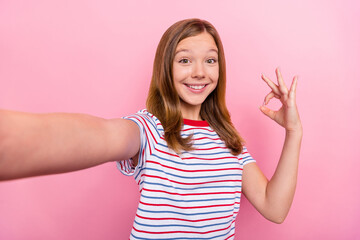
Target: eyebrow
<point>187,50</point>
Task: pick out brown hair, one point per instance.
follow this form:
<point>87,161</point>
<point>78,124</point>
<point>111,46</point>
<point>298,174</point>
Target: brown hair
<point>163,100</point>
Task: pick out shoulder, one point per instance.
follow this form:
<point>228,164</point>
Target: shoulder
<point>144,117</point>
<point>245,157</point>
<point>148,124</point>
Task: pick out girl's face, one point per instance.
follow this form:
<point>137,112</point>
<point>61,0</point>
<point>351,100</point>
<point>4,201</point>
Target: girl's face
<point>195,72</point>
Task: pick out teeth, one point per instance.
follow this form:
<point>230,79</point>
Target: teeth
<point>197,87</point>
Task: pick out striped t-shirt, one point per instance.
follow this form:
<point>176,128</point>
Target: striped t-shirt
<point>194,195</point>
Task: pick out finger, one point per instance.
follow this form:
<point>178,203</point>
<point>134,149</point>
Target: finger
<point>269,97</point>
<point>281,82</point>
<point>293,85</point>
<point>272,85</point>
<point>268,112</point>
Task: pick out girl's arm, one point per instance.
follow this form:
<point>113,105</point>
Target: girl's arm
<point>39,144</point>
<point>273,198</point>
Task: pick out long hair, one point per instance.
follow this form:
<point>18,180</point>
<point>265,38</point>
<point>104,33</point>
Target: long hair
<point>163,100</point>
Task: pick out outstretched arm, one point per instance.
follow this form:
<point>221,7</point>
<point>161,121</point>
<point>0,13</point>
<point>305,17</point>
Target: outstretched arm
<point>273,198</point>
<point>39,144</point>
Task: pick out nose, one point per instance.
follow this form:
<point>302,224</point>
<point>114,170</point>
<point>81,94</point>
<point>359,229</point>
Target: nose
<point>198,71</point>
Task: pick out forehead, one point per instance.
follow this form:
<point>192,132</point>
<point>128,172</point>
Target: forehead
<point>202,41</point>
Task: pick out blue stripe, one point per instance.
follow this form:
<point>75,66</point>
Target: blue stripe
<point>187,214</point>
<point>194,188</point>
<point>198,154</point>
<point>145,117</point>
<point>185,238</point>
<point>206,154</point>
<point>247,157</point>
<point>248,160</point>
<point>141,161</point>
<point>208,143</point>
<point>198,164</point>
<point>184,135</point>
<point>139,173</point>
<point>212,176</point>
<point>179,225</point>
<point>194,144</point>
<point>189,201</point>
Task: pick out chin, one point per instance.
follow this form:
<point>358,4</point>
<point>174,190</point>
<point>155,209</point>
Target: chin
<point>195,102</point>
<point>191,103</point>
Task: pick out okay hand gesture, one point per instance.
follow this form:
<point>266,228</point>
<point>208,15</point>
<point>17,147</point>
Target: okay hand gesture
<point>287,116</point>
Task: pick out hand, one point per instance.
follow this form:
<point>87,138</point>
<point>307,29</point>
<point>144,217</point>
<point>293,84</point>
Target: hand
<point>287,116</point>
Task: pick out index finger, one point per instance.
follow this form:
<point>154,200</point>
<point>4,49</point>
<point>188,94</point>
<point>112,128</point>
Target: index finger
<point>272,85</point>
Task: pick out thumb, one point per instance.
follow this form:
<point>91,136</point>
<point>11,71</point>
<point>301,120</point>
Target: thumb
<point>268,112</point>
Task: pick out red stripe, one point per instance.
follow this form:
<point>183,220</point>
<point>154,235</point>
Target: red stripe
<point>168,232</point>
<point>147,126</point>
<point>200,170</point>
<point>214,139</point>
<point>153,176</point>
<point>211,148</point>
<point>207,159</point>
<point>143,154</point>
<point>185,220</point>
<point>201,138</point>
<point>207,206</point>
<point>145,132</point>
<point>167,153</point>
<point>197,158</point>
<point>188,129</point>
<point>190,194</point>
<point>196,123</point>
<point>230,236</point>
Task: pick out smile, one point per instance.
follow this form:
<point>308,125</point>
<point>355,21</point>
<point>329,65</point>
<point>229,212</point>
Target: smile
<point>196,87</point>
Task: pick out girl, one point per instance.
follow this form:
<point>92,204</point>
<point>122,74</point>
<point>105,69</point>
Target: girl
<point>184,152</point>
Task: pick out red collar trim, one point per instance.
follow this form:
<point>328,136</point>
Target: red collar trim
<point>196,123</point>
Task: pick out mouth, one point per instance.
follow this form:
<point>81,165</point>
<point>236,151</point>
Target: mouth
<point>196,87</point>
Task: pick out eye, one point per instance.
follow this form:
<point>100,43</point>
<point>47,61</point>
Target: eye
<point>211,60</point>
<point>184,60</point>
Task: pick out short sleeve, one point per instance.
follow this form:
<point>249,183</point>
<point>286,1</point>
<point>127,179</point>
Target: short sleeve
<point>148,139</point>
<point>245,157</point>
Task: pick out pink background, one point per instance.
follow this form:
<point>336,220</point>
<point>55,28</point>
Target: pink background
<point>96,57</point>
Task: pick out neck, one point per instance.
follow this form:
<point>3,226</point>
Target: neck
<point>190,112</point>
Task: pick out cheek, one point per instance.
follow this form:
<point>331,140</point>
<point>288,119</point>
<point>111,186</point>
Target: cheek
<point>178,73</point>
<point>214,74</point>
